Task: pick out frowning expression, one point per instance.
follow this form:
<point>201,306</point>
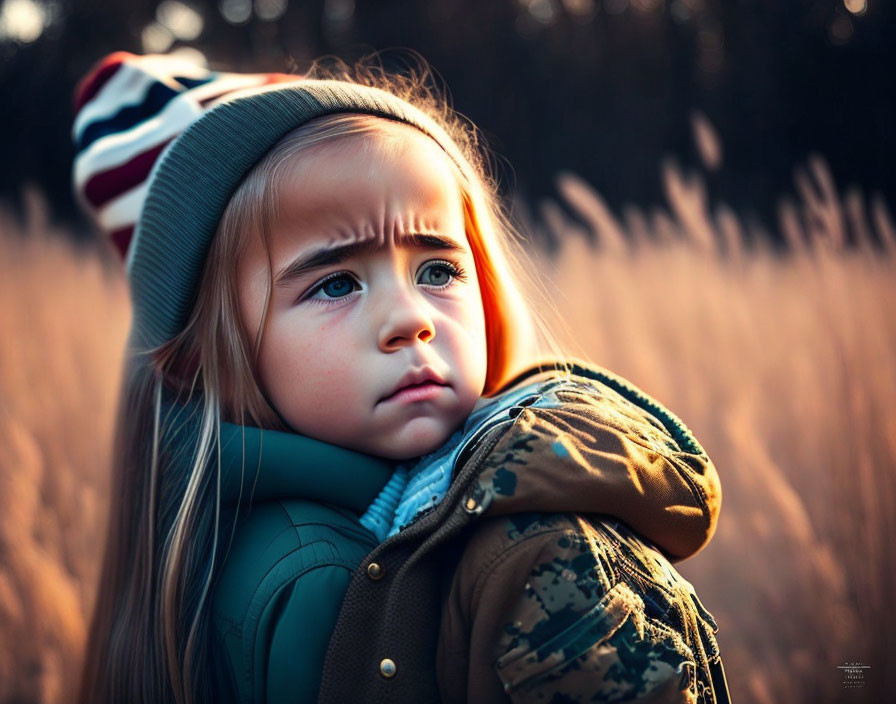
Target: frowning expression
<point>375,334</point>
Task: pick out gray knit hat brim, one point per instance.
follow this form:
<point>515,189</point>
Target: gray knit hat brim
<point>197,174</point>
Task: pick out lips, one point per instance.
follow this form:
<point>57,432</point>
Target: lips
<point>425,377</point>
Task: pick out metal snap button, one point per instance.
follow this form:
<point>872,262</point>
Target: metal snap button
<point>387,668</point>
<point>375,571</point>
<point>471,505</point>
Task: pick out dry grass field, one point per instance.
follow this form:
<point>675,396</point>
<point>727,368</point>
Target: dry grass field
<point>63,323</point>
<point>784,365</point>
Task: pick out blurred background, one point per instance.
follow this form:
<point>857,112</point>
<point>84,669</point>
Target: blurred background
<point>707,187</point>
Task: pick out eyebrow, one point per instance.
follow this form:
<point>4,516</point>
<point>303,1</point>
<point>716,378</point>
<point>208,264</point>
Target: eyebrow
<point>328,256</point>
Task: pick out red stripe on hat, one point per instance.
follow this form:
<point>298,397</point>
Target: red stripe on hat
<point>281,78</point>
<point>101,72</point>
<point>121,238</point>
<point>269,79</point>
<point>205,101</point>
<point>106,185</point>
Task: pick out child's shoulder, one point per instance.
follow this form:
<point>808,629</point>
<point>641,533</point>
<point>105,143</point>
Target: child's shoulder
<point>608,397</point>
<point>277,543</point>
<point>279,591</point>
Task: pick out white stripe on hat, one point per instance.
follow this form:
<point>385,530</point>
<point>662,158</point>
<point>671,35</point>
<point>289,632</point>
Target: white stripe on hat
<point>120,147</point>
<point>248,89</point>
<point>226,83</point>
<point>124,209</point>
<point>129,85</point>
<point>122,150</point>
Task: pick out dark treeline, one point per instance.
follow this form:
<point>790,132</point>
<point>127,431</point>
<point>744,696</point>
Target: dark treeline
<point>605,88</point>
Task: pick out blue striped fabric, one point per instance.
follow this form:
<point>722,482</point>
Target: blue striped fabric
<point>129,109</point>
<point>156,98</point>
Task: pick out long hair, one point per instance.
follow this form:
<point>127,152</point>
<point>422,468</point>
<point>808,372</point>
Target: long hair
<point>151,637</point>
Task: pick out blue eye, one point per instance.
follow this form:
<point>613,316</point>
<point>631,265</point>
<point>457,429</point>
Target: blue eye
<point>440,274</point>
<point>339,286</point>
<point>334,287</point>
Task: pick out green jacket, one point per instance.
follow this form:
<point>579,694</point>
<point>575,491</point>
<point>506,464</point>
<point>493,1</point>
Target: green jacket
<point>300,540</point>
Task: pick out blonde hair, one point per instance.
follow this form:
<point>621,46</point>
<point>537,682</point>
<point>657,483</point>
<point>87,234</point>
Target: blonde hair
<point>150,637</point>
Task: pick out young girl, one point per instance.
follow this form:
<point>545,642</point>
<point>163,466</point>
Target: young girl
<point>341,474</point>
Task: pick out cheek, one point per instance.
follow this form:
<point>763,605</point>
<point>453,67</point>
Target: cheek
<point>306,370</point>
<point>474,315</point>
<point>478,352</point>
<point>286,355</point>
<point>465,323</point>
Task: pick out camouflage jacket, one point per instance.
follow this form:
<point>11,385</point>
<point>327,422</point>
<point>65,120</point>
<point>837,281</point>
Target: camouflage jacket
<point>519,586</point>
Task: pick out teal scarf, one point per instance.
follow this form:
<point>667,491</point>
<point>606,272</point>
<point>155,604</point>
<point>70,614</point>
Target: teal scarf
<point>260,465</point>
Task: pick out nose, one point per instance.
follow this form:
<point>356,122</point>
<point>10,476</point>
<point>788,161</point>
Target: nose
<point>406,320</point>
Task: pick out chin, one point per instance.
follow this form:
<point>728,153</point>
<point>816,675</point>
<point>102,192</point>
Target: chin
<point>419,436</point>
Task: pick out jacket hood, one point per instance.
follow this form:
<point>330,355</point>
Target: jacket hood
<point>591,442</point>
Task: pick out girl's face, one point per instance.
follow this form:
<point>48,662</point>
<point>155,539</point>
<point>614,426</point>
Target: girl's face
<point>374,290</point>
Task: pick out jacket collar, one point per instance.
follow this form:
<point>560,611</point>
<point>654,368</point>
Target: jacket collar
<point>260,465</point>
<point>269,464</point>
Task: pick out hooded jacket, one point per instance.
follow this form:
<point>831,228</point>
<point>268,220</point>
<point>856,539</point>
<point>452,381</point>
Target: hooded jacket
<point>463,604</point>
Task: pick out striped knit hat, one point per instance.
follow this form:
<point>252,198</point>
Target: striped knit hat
<point>128,109</point>
<point>161,146</point>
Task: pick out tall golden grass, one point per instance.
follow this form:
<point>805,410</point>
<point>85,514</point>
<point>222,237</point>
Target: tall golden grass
<point>63,321</point>
<point>784,365</point>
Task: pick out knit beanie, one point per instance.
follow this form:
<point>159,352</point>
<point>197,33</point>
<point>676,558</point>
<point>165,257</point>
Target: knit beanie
<point>162,144</point>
